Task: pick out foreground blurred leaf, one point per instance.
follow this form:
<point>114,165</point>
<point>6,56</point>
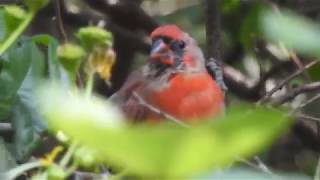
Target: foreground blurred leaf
<point>163,150</point>
<point>7,161</point>
<point>294,31</point>
<point>15,65</point>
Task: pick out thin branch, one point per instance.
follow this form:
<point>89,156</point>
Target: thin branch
<point>307,117</point>
<point>58,5</point>
<point>285,81</point>
<point>315,86</point>
<point>309,101</point>
<point>157,111</point>
<point>259,166</point>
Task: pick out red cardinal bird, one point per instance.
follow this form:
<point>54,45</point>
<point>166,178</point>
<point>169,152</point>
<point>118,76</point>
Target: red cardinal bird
<point>174,81</point>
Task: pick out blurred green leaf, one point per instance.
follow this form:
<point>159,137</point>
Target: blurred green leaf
<point>27,122</point>
<point>13,16</point>
<point>7,161</point>
<point>294,31</point>
<point>165,150</point>
<point>15,66</point>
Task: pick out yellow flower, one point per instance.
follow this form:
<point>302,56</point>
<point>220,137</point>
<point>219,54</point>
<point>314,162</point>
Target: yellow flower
<point>101,61</point>
<point>50,157</point>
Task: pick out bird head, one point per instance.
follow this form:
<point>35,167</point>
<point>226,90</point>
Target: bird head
<point>171,47</point>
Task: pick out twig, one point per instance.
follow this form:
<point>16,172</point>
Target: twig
<point>262,166</point>
<point>309,101</point>
<point>285,81</point>
<point>158,111</point>
<point>259,166</point>
<point>315,86</point>
<point>62,31</point>
<point>17,171</point>
<point>298,62</point>
<point>307,117</point>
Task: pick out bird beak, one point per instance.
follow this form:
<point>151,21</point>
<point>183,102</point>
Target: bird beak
<point>158,47</point>
<point>161,52</point>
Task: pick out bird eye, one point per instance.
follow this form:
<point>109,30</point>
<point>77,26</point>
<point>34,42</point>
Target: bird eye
<point>182,44</point>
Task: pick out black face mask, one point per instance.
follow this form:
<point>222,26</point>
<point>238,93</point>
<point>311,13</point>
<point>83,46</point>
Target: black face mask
<point>178,48</point>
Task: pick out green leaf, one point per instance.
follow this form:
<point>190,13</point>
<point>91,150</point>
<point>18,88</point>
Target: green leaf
<point>15,65</point>
<point>21,73</point>
<point>35,5</point>
<point>164,150</point>
<point>56,71</point>
<point>14,15</point>
<point>294,31</point>
<point>27,122</point>
<point>7,161</point>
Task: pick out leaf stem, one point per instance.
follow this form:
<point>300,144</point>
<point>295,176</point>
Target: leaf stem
<point>15,34</point>
<point>89,84</point>
<point>67,156</point>
<point>15,172</point>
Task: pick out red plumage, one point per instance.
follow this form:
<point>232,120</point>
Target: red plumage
<point>171,31</point>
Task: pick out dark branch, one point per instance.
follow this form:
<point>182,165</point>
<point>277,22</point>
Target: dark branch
<point>213,41</point>
<point>213,29</point>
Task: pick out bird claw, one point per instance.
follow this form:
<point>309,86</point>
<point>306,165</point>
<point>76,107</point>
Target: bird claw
<point>217,72</point>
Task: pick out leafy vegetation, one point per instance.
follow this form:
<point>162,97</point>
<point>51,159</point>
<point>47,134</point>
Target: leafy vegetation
<point>47,91</point>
